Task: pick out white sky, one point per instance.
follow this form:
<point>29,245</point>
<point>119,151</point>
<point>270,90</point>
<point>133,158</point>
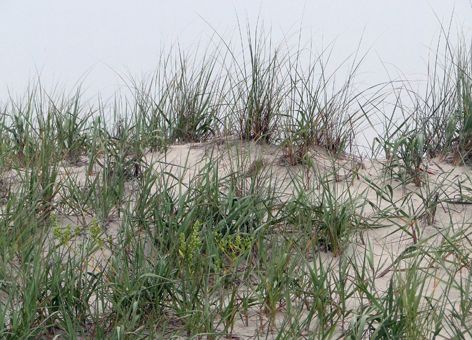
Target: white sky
<point>64,39</point>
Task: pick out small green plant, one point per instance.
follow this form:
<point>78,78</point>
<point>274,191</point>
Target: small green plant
<point>232,246</point>
<point>408,158</point>
<point>190,247</point>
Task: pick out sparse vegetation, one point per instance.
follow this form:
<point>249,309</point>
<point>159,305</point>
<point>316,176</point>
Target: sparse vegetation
<point>171,214</point>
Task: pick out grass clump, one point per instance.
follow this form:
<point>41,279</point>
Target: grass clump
<point>257,85</point>
<point>321,110</point>
<point>329,215</point>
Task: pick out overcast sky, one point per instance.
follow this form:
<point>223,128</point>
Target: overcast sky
<point>63,39</point>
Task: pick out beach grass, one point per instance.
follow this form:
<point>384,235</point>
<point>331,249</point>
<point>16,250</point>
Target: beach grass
<point>224,198</point>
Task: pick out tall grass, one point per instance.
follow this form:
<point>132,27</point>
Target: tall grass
<point>434,123</point>
<point>107,231</point>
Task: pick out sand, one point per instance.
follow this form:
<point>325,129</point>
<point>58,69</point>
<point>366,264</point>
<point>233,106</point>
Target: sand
<point>386,242</point>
